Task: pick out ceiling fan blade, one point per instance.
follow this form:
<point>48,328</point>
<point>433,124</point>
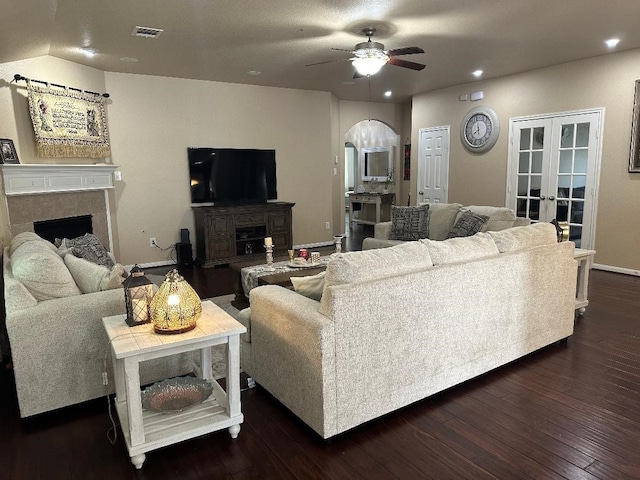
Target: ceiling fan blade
<point>329,61</point>
<point>406,64</point>
<point>342,50</point>
<point>404,51</point>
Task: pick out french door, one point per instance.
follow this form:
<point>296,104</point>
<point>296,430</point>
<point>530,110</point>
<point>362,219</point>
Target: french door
<point>554,163</point>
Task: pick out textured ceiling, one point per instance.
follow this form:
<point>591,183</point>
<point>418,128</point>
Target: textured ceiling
<point>223,40</point>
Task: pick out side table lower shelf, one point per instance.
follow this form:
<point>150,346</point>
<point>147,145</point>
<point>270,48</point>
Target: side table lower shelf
<point>163,429</point>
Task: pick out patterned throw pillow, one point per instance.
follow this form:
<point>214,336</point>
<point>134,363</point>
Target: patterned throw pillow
<point>89,247</point>
<point>409,223</point>
<point>468,224</point>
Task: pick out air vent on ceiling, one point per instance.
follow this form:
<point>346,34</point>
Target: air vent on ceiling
<point>146,32</point>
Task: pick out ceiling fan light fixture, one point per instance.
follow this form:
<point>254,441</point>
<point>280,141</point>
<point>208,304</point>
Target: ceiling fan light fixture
<point>370,65</point>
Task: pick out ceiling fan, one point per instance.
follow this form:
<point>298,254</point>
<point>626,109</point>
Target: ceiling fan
<point>369,57</point>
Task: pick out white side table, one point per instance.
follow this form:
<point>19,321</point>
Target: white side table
<point>584,258</point>
<point>146,430</point>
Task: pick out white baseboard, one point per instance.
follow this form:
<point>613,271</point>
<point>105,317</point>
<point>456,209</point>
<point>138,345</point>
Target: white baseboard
<point>609,268</point>
<point>162,263</point>
<point>313,245</point>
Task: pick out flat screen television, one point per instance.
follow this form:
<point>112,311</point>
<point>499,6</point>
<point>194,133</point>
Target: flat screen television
<point>232,176</point>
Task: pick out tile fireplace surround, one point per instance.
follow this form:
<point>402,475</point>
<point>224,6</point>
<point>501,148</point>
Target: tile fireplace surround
<point>58,191</point>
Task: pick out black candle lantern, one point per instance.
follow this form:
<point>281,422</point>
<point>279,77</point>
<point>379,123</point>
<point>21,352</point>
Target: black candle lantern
<point>138,292</point>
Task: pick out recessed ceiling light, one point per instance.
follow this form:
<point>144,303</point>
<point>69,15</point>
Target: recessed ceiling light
<point>89,52</point>
<point>612,42</point>
<point>477,73</point>
<point>129,59</point>
<point>387,93</point>
<point>254,72</point>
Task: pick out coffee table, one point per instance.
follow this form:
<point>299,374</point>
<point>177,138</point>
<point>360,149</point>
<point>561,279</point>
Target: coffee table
<point>253,274</point>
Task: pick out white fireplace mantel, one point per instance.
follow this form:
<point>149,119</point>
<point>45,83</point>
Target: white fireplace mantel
<point>30,179</point>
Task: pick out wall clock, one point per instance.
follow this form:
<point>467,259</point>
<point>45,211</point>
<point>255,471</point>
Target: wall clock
<point>480,129</point>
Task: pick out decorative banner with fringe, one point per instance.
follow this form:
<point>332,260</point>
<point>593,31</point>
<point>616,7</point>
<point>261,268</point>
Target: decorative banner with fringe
<point>68,123</point>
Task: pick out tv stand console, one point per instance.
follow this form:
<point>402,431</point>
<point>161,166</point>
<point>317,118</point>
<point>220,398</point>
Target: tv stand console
<point>229,234</point>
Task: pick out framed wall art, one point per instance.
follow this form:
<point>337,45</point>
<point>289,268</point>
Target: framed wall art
<point>8,152</point>
<point>634,154</point>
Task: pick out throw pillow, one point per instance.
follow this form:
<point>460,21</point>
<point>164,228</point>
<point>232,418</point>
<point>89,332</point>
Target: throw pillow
<point>468,224</point>
<point>91,277</point>
<point>409,223</point>
<point>88,247</point>
<point>311,286</point>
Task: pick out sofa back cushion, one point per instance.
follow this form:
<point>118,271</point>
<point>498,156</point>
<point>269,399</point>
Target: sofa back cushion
<point>519,238</point>
<point>370,264</point>
<point>42,271</point>
<point>499,217</point>
<point>16,295</point>
<point>461,249</point>
<point>442,217</point>
<point>28,237</point>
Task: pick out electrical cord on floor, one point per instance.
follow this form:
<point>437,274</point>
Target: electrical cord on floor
<point>112,433</point>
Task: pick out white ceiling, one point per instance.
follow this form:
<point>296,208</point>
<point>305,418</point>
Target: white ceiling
<point>224,39</point>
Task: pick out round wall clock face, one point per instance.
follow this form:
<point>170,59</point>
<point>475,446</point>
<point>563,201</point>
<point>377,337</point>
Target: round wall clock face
<point>480,129</point>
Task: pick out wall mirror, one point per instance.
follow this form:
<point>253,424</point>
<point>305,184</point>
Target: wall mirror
<point>377,162</point>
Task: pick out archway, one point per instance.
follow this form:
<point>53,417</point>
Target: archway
<point>367,134</point>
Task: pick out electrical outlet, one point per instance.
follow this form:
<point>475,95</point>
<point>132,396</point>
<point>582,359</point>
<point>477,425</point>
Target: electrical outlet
<point>327,225</point>
<point>153,242</point>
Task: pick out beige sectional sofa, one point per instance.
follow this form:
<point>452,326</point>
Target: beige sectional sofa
<point>441,219</point>
<point>54,306</point>
<point>398,324</point>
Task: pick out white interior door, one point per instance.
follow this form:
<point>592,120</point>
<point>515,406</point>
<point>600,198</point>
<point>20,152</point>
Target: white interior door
<point>553,171</point>
<point>433,165</point>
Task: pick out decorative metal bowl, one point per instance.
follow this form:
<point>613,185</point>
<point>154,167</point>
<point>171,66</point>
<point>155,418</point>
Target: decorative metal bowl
<point>176,394</point>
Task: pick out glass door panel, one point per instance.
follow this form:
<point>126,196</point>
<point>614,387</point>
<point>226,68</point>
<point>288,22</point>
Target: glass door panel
<point>530,187</point>
<point>553,171</point>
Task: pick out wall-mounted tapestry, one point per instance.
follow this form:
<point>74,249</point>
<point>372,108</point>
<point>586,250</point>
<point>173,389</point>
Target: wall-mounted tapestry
<point>68,123</point>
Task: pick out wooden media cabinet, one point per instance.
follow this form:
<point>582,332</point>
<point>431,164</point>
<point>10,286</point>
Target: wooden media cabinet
<point>228,234</point>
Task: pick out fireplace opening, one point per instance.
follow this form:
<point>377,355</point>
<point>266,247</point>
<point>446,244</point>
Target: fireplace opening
<point>69,227</point>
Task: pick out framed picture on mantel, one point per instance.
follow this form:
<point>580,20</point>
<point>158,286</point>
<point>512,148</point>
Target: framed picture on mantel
<point>8,152</point>
<point>634,154</point>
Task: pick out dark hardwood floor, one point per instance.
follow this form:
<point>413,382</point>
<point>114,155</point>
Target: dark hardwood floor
<point>571,410</point>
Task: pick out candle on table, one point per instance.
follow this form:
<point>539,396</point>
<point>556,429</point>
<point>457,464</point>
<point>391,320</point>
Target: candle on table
<point>268,242</point>
<point>140,309</point>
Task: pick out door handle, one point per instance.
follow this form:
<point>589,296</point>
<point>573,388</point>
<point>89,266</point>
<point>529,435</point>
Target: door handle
<point>552,197</point>
<point>542,197</point>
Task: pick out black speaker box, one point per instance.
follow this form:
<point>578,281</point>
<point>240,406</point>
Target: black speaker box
<point>184,235</point>
<point>184,253</point>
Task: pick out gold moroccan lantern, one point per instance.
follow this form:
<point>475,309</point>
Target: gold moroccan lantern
<point>176,306</point>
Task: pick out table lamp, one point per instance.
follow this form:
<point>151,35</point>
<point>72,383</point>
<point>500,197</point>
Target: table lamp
<point>176,306</point>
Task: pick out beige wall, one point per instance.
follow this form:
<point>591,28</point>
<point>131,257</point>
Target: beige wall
<point>154,120</point>
<point>606,81</point>
<point>15,122</point>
